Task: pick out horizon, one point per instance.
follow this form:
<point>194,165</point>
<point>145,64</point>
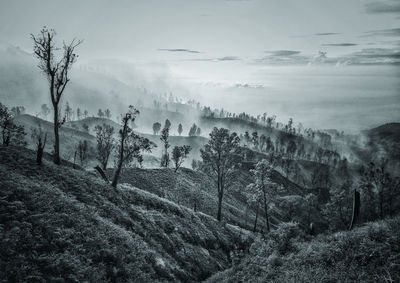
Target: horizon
<point>241,55</point>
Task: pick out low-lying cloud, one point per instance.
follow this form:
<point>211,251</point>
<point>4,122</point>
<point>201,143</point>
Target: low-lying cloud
<point>384,32</point>
<point>283,53</point>
<point>326,33</point>
<point>389,7</point>
<point>178,50</point>
<point>339,44</point>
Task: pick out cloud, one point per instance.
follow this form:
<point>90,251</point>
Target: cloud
<point>326,33</point>
<point>228,58</point>
<point>390,7</point>
<point>246,85</point>
<point>179,50</point>
<point>219,59</point>
<point>373,56</point>
<point>367,56</point>
<point>384,32</point>
<point>340,44</point>
<point>283,53</point>
<point>315,34</point>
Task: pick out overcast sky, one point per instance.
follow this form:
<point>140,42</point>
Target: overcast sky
<point>208,29</point>
<point>219,44</point>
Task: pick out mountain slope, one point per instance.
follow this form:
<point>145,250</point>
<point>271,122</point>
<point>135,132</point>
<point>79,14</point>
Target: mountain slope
<point>370,253</point>
<point>58,223</point>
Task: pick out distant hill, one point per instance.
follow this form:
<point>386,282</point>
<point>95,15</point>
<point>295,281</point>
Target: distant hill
<point>61,224</point>
<point>389,132</point>
<point>384,142</point>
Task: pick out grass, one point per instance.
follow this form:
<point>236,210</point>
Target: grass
<point>370,253</point>
<point>61,224</point>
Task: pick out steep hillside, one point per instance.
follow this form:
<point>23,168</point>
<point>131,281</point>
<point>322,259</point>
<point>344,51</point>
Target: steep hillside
<point>61,224</point>
<point>383,142</point>
<point>370,253</point>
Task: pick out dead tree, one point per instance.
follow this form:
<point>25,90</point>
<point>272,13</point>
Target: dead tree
<point>56,72</point>
<point>356,209</point>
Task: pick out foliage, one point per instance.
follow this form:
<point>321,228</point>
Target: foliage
<point>130,145</point>
<point>10,132</point>
<point>164,139</point>
<point>156,127</point>
<point>179,153</point>
<point>220,158</point>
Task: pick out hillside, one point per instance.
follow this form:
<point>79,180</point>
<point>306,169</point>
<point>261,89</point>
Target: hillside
<point>61,224</point>
<point>383,142</point>
<point>370,253</point>
<point>72,133</point>
<point>196,190</point>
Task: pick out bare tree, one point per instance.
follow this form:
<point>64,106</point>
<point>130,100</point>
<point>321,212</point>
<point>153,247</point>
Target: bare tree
<point>41,138</point>
<point>57,73</point>
<point>105,143</point>
<point>83,149</point>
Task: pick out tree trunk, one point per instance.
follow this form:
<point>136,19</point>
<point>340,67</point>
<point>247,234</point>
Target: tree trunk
<point>117,173</point>
<point>56,137</point>
<point>266,210</point>
<point>39,154</point>
<point>102,174</point>
<point>255,222</point>
<point>219,207</point>
<point>356,209</point>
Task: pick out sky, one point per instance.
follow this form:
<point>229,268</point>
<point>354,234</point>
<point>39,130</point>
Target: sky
<point>248,48</point>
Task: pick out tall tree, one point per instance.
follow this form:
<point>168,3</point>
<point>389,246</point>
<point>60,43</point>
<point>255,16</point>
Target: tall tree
<point>220,158</point>
<point>107,113</point>
<point>100,113</point>
<point>68,112</point>
<point>165,140</point>
<point>105,143</point>
<point>180,129</point>
<point>57,73</point>
<point>179,154</point>
<point>167,124</point>
<point>78,113</point>
<point>130,145</point>
<point>192,131</point>
<point>83,150</point>
<point>156,128</point>
<point>263,187</point>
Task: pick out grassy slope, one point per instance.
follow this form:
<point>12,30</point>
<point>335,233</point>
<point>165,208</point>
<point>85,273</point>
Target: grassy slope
<point>370,253</point>
<point>57,222</point>
<point>182,186</point>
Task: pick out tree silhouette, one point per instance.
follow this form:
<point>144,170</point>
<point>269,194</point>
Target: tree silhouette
<point>57,73</point>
